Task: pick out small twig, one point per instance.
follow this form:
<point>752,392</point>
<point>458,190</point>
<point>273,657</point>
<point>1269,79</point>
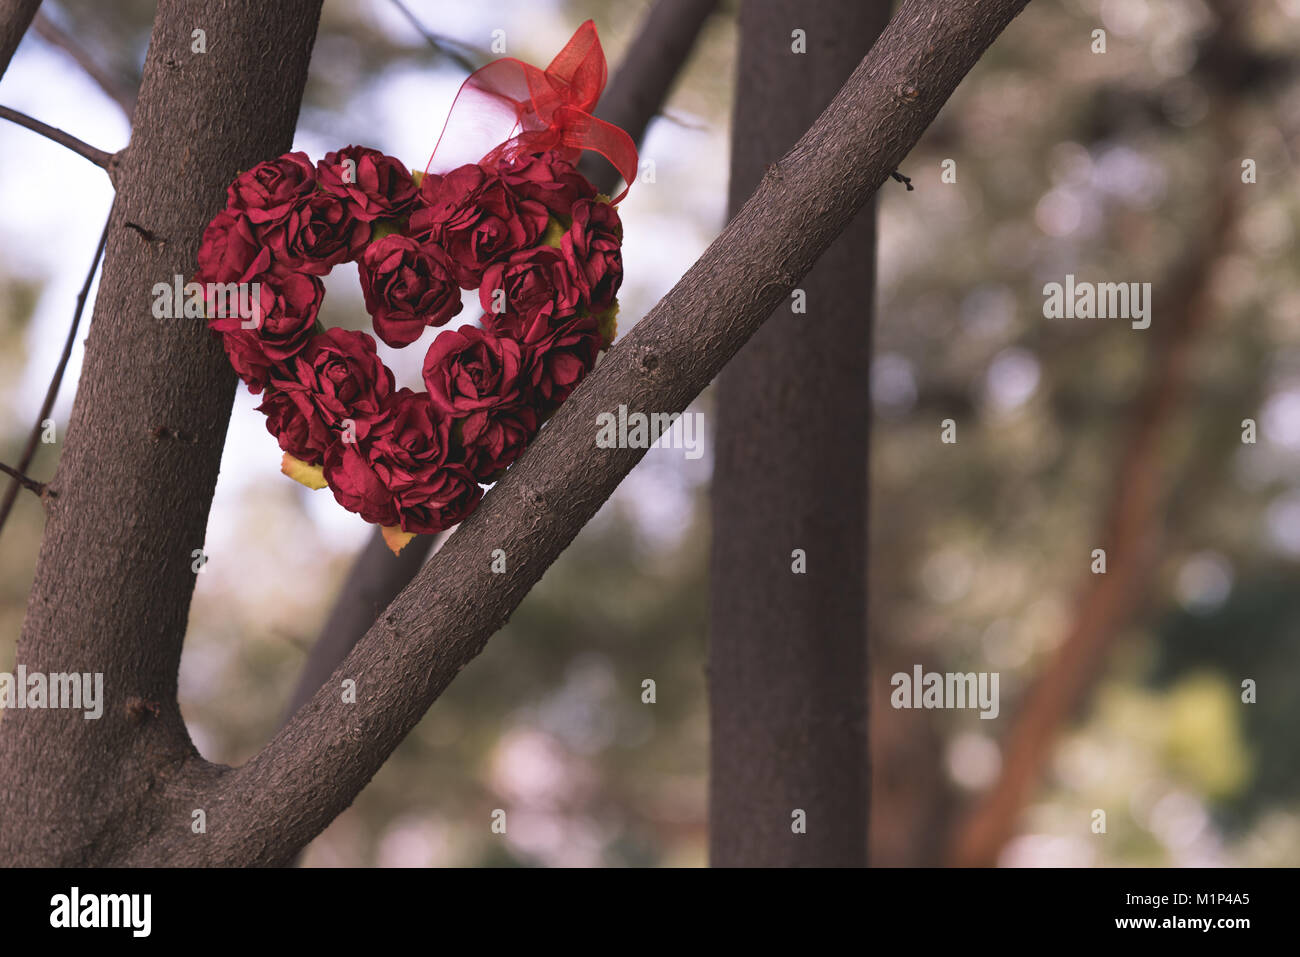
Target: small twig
<point>443,45</point>
<point>119,92</point>
<point>900,178</point>
<point>24,481</point>
<point>101,158</point>
<point>29,450</point>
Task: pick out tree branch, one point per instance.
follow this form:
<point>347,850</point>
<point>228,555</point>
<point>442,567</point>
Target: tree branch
<point>101,158</point>
<point>1129,532</point>
<point>52,391</point>
<point>266,810</point>
<point>23,481</point>
<point>444,46</point>
<point>113,88</point>
<point>655,56</point>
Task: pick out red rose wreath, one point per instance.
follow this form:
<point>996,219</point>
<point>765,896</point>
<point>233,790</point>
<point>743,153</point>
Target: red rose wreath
<point>521,225</point>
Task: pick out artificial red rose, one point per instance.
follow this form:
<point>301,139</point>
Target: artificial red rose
<point>304,436</point>
<point>470,213</point>
<point>372,184</point>
<point>471,370</point>
<point>400,475</point>
<point>244,349</point>
<point>558,362</point>
<point>270,190</point>
<point>316,235</point>
<point>546,178</point>
<point>340,378</point>
<point>283,316</point>
<point>494,438</point>
<point>592,247</point>
<point>407,286</point>
<point>538,290</point>
<point>230,251</point>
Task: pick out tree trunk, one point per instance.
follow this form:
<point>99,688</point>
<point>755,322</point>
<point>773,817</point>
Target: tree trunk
<point>134,484</point>
<point>789,781</point>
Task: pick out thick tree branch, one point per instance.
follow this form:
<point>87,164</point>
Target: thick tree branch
<point>101,158</point>
<point>116,570</point>
<point>638,91</point>
<point>266,810</point>
<point>15,17</point>
<point>52,391</point>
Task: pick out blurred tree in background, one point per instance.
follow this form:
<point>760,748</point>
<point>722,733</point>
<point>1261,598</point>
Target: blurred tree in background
<point>1108,166</point>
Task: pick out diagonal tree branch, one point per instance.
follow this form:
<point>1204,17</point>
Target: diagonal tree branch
<point>638,92</point>
<point>266,810</point>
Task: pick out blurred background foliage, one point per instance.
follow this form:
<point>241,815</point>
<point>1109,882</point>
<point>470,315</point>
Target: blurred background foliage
<point>1114,167</point>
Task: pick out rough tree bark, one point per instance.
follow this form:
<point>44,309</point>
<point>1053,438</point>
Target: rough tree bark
<point>634,96</point>
<point>788,652</point>
<point>140,810</point>
<point>134,484</point>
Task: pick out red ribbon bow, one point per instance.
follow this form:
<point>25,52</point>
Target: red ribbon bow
<point>526,110</point>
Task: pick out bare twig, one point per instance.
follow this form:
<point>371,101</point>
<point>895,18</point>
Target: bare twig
<point>52,392</point>
<point>113,87</point>
<point>23,481</point>
<point>443,45</point>
<point>102,158</point>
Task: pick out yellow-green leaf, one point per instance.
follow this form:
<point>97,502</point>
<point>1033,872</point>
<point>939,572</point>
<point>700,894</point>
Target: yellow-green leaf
<point>312,476</point>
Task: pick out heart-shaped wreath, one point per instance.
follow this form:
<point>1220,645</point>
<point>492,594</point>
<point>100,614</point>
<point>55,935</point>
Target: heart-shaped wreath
<point>522,226</point>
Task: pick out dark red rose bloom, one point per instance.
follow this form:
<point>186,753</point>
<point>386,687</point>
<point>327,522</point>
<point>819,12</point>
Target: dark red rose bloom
<point>548,179</point>
<point>400,474</point>
<point>247,357</point>
<point>230,252</point>
<point>304,436</point>
<point>283,316</point>
<point>472,370</point>
<point>540,291</point>
<point>470,213</point>
<point>593,250</point>
<point>407,286</point>
<point>557,363</point>
<point>374,185</point>
<point>317,235</point>
<point>493,439</point>
<point>338,377</point>
<point>269,190</point>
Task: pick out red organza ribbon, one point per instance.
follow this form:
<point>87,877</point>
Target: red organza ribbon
<point>509,107</point>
